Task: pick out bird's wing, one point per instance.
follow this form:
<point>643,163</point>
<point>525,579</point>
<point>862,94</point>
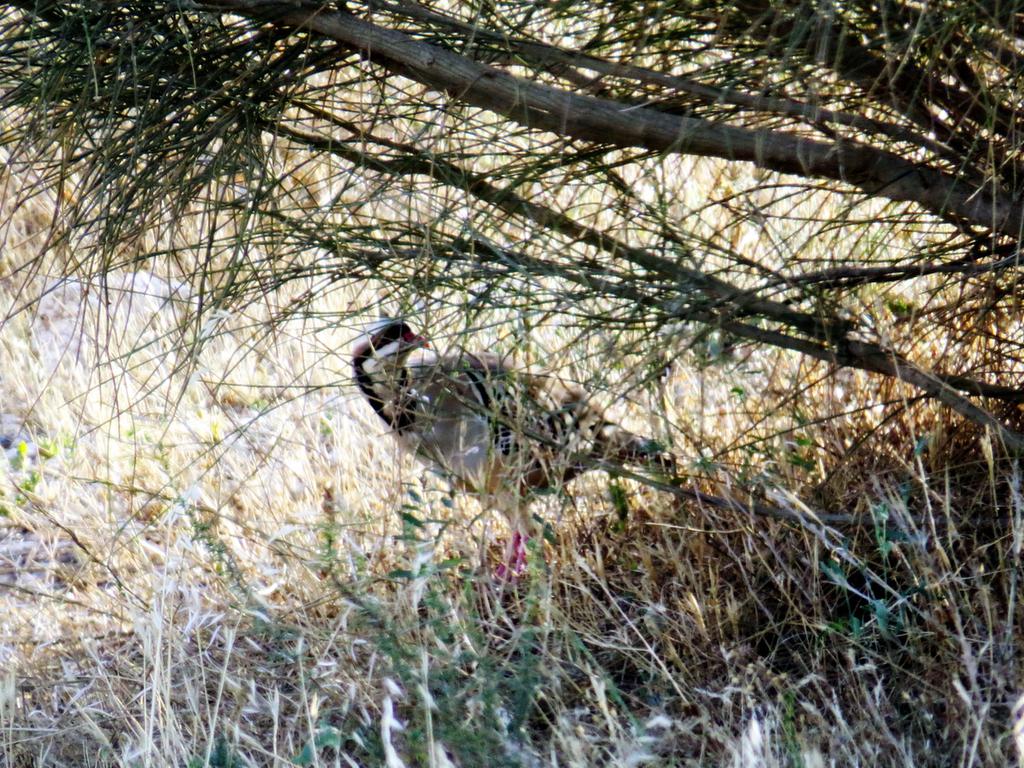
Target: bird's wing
<point>566,424</point>
<point>536,425</point>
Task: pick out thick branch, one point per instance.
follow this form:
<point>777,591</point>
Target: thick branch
<point>551,56</point>
<point>874,171</point>
<point>722,296</point>
<point>851,276</point>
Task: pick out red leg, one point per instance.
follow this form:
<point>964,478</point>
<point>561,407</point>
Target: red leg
<point>515,558</point>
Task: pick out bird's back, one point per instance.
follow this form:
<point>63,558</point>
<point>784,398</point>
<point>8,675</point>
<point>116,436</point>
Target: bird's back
<point>502,430</point>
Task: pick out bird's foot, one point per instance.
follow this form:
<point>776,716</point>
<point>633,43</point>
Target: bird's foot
<point>515,558</point>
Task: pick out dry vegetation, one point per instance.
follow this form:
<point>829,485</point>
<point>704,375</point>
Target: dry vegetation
<point>212,554</point>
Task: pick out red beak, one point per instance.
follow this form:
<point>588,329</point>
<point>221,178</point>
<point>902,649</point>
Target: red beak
<point>412,338</point>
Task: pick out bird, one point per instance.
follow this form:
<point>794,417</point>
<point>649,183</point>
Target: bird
<point>497,431</point>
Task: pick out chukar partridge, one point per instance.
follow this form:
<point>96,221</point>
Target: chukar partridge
<point>501,433</point>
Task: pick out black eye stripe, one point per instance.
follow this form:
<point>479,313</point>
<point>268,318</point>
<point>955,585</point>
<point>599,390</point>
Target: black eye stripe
<point>393,332</point>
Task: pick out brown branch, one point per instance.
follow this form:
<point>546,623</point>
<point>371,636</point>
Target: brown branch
<point>830,41</point>
<point>547,55</point>
<point>722,296</point>
<point>848,353</point>
<point>871,357</point>
<point>588,118</point>
<point>851,276</point>
<point>955,114</point>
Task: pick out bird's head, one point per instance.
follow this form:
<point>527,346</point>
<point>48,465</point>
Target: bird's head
<point>388,338</point>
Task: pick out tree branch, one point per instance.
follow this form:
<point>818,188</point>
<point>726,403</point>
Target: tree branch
<point>545,55</point>
<point>588,118</point>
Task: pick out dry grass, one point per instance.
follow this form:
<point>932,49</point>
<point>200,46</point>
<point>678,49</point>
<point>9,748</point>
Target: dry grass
<point>212,555</point>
